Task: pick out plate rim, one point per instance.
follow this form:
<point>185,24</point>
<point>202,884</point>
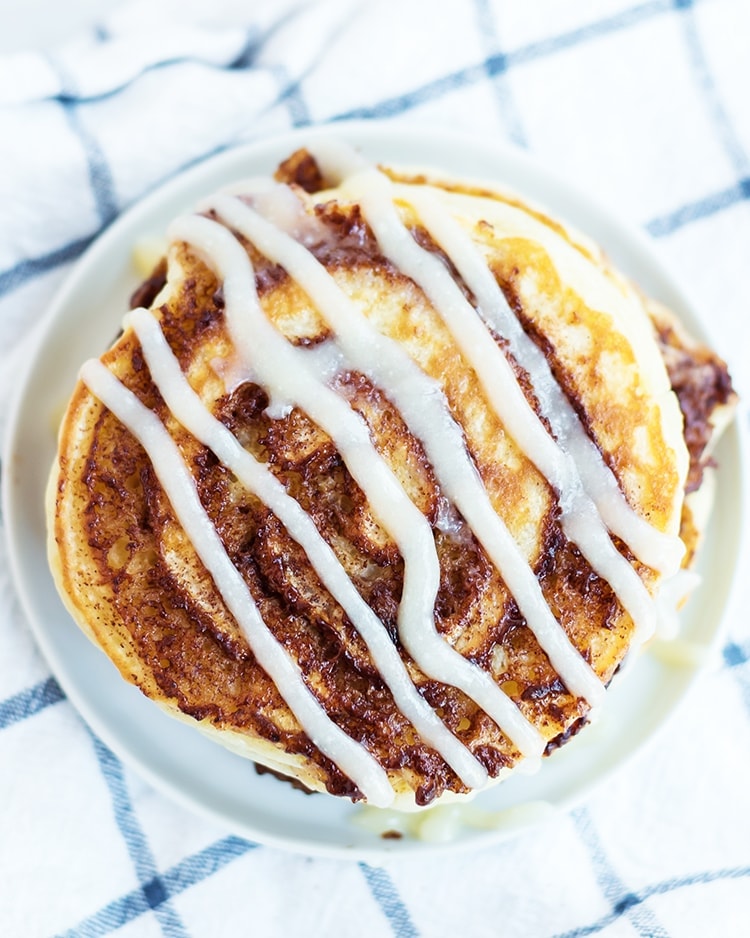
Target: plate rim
<point>382,134</point>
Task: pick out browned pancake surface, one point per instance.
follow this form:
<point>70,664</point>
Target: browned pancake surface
<point>133,581</point>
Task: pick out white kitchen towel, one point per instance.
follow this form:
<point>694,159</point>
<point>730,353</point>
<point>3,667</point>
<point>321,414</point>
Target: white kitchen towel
<point>643,104</point>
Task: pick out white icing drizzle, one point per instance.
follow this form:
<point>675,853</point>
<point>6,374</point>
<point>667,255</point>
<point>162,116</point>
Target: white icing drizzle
<point>588,493</point>
<point>352,758</point>
<point>423,406</point>
<point>283,371</point>
<point>188,409</point>
<point>672,594</point>
<point>579,517</point>
<point>661,551</point>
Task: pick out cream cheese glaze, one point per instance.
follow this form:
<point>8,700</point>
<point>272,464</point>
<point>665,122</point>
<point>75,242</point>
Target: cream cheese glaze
<point>580,517</point>
<point>179,486</point>
<point>283,370</point>
<point>273,219</point>
<point>661,551</point>
<point>186,406</point>
<point>425,411</point>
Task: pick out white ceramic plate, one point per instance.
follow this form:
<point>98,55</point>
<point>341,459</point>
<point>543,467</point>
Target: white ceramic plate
<point>179,761</point>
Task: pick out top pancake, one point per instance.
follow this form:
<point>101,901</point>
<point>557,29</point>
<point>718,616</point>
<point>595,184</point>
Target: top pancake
<point>134,582</point>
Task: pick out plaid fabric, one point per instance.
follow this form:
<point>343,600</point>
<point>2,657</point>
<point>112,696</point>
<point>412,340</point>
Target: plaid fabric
<point>643,103</point>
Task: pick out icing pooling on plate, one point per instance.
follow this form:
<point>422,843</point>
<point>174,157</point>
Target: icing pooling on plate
<point>352,438</point>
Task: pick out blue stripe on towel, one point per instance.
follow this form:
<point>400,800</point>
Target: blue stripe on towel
<point>153,890</point>
<point>290,94</point>
<point>100,175</point>
<point>510,115</point>
<point>711,203</point>
<point>243,59</point>
<point>188,872</point>
<point>29,702</point>
<point>543,48</point>
<point>631,900</point>
<point>704,207</point>
<point>644,922</point>
<point>494,65</point>
<point>14,277</point>
<point>707,86</point>
<point>194,869</point>
<point>113,916</point>
<point>502,61</point>
<point>25,270</point>
<point>735,655</point>
<point>246,58</point>
<point>392,905</point>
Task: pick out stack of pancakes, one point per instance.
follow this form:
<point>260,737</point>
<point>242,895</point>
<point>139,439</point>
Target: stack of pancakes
<point>647,400</point>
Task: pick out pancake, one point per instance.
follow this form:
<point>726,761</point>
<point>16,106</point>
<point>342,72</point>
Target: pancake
<point>383,479</point>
